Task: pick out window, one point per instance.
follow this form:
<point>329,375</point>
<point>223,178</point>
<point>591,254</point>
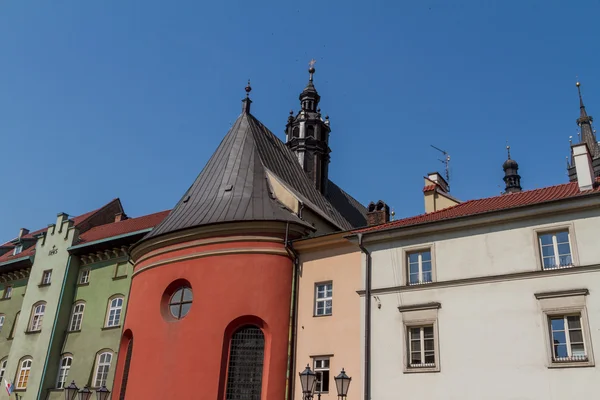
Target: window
<point>3,369</point>
<point>113,317</point>
<point>14,327</point>
<point>24,370</point>
<point>37,317</point>
<point>47,277</point>
<point>84,276</point>
<point>126,369</point>
<point>181,302</point>
<point>419,267</point>
<point>77,317</point>
<point>566,335</point>
<point>121,270</point>
<point>321,368</point>
<point>102,368</point>
<point>63,371</point>
<point>18,248</point>
<point>7,292</point>
<point>421,346</point>
<point>323,298</point>
<point>246,357</point>
<point>555,248</point>
<point>1,324</point>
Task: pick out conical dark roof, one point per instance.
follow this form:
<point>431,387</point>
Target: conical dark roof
<point>233,186</point>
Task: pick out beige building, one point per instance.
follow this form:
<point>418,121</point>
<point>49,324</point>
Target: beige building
<point>493,299</point>
<point>328,325</point>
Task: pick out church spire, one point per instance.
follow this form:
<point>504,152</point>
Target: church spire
<point>512,179</point>
<point>585,124</point>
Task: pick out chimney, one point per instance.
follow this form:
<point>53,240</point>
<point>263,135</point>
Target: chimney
<point>435,193</point>
<point>583,166</point>
<point>23,232</point>
<point>378,213</point>
<point>437,179</point>
<point>120,217</point>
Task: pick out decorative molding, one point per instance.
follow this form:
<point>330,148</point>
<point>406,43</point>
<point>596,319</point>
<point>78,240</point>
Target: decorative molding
<point>106,255</point>
<point>15,275</point>
<point>222,252</point>
<point>419,307</point>
<point>562,293</point>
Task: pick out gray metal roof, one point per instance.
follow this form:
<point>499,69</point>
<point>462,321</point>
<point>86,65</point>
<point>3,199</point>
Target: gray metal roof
<point>233,186</point>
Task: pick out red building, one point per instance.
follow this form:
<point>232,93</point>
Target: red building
<point>211,309</point>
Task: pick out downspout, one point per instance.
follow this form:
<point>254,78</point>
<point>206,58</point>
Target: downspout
<point>62,291</point>
<point>289,380</point>
<point>367,378</point>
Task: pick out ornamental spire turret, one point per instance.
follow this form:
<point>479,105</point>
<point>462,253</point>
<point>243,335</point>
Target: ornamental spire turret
<point>512,179</point>
<point>586,135</point>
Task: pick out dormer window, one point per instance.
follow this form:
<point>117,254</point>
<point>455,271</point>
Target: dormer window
<point>18,248</point>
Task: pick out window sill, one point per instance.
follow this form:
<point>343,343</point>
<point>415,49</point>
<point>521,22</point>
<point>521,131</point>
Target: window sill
<point>572,364</point>
<point>5,298</point>
<point>20,390</point>
<point>322,315</point>
<point>83,284</point>
<point>110,328</point>
<point>56,390</point>
<point>44,284</point>
<point>75,331</point>
<point>417,370</point>
<point>118,278</point>
<point>33,332</point>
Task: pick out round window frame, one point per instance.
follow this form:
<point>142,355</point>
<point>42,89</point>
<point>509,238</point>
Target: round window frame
<point>180,303</point>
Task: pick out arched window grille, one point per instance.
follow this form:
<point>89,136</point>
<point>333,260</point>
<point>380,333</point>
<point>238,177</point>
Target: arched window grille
<point>246,358</point>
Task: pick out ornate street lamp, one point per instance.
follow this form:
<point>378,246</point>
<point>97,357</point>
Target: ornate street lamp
<point>307,381</point>
<point>342,382</point>
<point>85,393</point>
<point>102,393</point>
<point>71,391</point>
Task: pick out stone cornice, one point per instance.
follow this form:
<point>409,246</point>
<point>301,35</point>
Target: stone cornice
<point>104,255</point>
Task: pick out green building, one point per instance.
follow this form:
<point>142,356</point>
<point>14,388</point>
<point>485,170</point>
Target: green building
<point>64,294</point>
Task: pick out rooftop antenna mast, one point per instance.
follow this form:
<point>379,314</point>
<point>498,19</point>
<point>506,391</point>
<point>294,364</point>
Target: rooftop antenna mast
<point>445,161</point>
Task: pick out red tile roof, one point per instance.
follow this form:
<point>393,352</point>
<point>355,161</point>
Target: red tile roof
<point>490,204</point>
<point>122,227</point>
<point>429,188</point>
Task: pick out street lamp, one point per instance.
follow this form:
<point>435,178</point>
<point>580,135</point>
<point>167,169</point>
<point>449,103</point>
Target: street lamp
<point>102,393</point>
<point>342,383</point>
<point>71,391</point>
<point>85,393</point>
<point>307,381</point>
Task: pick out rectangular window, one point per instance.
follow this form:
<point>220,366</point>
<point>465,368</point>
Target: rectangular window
<point>114,312</point>
<point>323,298</point>
<point>7,292</point>
<point>421,345</point>
<point>121,270</point>
<point>321,368</point>
<point>47,277</point>
<point>419,267</point>
<point>1,324</point>
<point>77,317</point>
<point>566,337</point>
<point>555,248</point>
<point>84,276</point>
<point>18,248</point>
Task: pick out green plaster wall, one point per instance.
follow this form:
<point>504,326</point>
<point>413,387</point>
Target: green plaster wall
<point>51,253</point>
<point>93,337</point>
<point>10,308</point>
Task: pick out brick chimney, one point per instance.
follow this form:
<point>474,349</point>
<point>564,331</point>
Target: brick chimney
<point>120,217</point>
<point>378,213</point>
<point>583,166</point>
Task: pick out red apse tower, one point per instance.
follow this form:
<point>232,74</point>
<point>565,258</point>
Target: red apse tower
<point>210,309</point>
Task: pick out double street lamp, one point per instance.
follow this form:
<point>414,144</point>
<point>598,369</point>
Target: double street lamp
<point>308,380</point>
<point>72,390</point>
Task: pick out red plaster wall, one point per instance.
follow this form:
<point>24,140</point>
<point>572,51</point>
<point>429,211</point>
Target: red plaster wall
<point>187,359</point>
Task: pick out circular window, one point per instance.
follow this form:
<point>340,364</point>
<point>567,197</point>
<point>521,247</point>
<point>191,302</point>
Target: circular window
<point>181,302</point>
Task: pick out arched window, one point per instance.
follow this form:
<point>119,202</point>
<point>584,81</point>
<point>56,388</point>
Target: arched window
<point>63,370</point>
<point>37,317</point>
<point>77,316</point>
<point>14,327</point>
<point>1,321</point>
<point>113,316</point>
<point>3,368</point>
<point>296,132</point>
<point>246,358</point>
<point>126,369</point>
<point>102,367</point>
<point>23,375</point>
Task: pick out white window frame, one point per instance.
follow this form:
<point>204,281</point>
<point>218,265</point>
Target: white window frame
<point>114,309</point>
<point>63,370</point>
<point>419,253</point>
<point>37,317</point>
<point>319,370</point>
<point>3,368</point>
<point>84,276</point>
<point>324,300</point>
<point>101,376</point>
<point>568,341</point>
<point>24,370</point>
<point>2,319</point>
<point>7,294</point>
<point>553,235</point>
<point>421,338</point>
<point>18,249</point>
<point>553,229</point>
<point>77,316</point>
<point>47,277</point>
<point>420,316</point>
<point>420,248</point>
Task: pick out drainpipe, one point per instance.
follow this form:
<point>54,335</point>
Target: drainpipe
<point>289,379</point>
<point>367,379</point>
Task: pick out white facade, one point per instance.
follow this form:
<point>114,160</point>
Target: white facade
<point>489,307</point>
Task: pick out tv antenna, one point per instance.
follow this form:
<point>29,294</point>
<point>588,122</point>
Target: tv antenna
<point>445,161</point>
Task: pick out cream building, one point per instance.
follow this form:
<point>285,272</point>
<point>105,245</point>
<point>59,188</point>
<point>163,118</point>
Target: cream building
<point>491,299</point>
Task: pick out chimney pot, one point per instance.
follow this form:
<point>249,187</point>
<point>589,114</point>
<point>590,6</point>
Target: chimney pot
<point>23,232</point>
<point>436,177</point>
<point>583,166</point>
<point>378,213</point>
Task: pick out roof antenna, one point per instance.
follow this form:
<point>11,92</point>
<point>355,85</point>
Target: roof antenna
<point>445,161</point>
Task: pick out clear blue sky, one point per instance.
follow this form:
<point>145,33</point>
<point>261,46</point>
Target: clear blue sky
<point>128,99</point>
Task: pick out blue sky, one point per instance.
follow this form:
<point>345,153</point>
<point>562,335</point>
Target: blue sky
<point>128,99</point>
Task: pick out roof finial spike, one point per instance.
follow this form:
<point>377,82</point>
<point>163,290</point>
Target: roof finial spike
<point>579,92</point>
<point>508,149</point>
<point>311,69</point>
<point>248,89</point>
<point>570,140</point>
<point>246,101</point>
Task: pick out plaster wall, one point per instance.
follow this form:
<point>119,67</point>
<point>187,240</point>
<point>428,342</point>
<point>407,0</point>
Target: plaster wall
<point>492,334</point>
<point>51,254</point>
<point>337,336</point>
<point>10,308</point>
